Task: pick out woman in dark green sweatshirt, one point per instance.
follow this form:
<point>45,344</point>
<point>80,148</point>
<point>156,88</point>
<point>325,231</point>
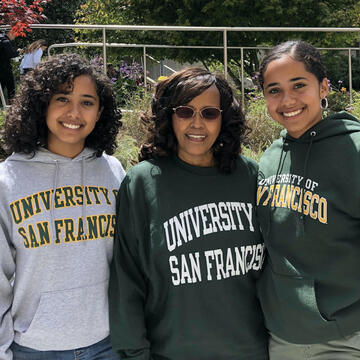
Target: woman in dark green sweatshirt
<point>188,248</point>
<point>309,209</point>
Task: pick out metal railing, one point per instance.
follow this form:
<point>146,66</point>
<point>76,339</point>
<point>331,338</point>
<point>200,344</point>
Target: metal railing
<point>241,48</point>
<point>223,30</point>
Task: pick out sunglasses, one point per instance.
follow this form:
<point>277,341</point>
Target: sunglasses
<point>207,113</point>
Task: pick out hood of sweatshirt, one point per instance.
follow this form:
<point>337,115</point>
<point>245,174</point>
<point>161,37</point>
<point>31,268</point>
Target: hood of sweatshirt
<point>327,127</point>
<point>45,156</point>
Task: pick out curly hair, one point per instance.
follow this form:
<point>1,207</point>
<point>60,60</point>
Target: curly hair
<point>298,50</point>
<point>25,128</point>
<point>179,89</point>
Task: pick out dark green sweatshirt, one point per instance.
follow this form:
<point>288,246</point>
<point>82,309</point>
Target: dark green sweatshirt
<point>187,253</point>
<point>309,209</point>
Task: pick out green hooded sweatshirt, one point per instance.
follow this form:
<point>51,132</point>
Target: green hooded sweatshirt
<point>187,254</point>
<point>309,209</point>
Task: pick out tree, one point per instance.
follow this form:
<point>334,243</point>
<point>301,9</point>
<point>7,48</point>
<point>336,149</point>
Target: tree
<point>57,12</point>
<point>19,15</point>
<point>249,13</point>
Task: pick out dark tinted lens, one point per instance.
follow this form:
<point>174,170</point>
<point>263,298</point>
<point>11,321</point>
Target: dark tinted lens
<point>210,113</point>
<point>184,112</point>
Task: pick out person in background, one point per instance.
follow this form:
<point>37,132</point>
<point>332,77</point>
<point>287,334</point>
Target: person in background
<point>7,52</point>
<point>32,56</point>
<point>188,249</point>
<point>309,209</point>
<point>57,213</point>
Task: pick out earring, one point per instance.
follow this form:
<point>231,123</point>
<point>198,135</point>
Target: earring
<point>221,144</point>
<point>324,104</point>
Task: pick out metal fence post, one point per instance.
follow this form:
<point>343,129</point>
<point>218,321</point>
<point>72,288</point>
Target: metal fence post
<point>350,76</point>
<point>225,54</point>
<point>145,70</point>
<point>2,97</point>
<point>104,51</point>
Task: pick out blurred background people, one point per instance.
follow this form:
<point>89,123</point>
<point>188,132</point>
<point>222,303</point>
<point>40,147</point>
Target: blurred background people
<point>32,56</point>
<point>7,52</point>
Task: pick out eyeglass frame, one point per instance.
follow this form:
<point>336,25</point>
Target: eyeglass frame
<point>197,112</point>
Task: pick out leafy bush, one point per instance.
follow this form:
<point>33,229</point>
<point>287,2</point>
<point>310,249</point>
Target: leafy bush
<point>133,133</point>
<point>128,80</point>
<point>264,129</point>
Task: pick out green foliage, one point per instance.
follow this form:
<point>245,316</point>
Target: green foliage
<point>57,12</point>
<point>336,64</point>
<point>128,82</point>
<point>2,118</point>
<point>338,101</point>
<point>133,133</point>
<point>264,129</point>
<point>251,13</point>
<point>355,109</point>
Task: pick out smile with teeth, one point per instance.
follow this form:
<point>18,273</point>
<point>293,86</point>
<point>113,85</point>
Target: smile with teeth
<point>293,113</point>
<point>195,137</point>
<point>71,126</point>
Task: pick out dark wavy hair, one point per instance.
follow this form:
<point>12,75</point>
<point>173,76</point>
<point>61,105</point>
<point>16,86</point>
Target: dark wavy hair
<point>25,128</point>
<point>298,50</point>
<point>179,89</point>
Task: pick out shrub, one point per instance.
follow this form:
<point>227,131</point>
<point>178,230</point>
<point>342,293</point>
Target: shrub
<point>264,129</point>
<point>127,81</point>
<point>132,134</point>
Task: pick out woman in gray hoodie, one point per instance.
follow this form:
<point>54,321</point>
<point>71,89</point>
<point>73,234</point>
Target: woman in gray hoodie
<point>57,206</point>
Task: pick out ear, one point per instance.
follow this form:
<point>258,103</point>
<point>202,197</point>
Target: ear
<point>99,113</point>
<point>324,88</point>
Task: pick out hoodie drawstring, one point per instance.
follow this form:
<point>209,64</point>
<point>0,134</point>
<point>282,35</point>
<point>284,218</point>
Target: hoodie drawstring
<point>83,209</point>
<point>302,188</point>
<point>284,149</point>
<point>52,207</point>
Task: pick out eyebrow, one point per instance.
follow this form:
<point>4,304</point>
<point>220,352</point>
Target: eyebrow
<point>291,80</point>
<point>69,92</point>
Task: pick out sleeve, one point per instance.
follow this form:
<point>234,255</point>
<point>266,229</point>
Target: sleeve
<point>10,50</point>
<point>128,286</point>
<point>37,56</point>
<point>7,271</point>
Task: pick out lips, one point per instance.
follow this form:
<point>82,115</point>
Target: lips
<point>292,113</point>
<point>71,126</point>
<point>195,137</point>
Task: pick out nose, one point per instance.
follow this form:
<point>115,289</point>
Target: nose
<point>74,111</point>
<point>197,121</point>
<point>288,98</point>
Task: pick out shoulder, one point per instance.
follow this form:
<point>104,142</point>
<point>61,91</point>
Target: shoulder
<point>251,164</point>
<point>114,164</point>
<point>246,168</point>
<point>146,169</point>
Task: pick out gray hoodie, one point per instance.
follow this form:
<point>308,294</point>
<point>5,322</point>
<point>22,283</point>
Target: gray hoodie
<point>56,239</point>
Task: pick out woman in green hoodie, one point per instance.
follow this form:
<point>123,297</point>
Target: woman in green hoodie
<point>309,209</point>
<point>187,251</point>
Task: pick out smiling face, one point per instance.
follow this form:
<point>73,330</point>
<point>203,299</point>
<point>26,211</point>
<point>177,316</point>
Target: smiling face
<point>71,116</point>
<point>293,95</point>
<point>196,136</point>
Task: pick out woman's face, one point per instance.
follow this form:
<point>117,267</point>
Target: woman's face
<point>71,116</point>
<point>196,135</point>
<point>293,95</point>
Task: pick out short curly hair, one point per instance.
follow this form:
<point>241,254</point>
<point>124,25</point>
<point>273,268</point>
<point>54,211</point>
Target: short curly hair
<point>25,128</point>
<point>179,89</point>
